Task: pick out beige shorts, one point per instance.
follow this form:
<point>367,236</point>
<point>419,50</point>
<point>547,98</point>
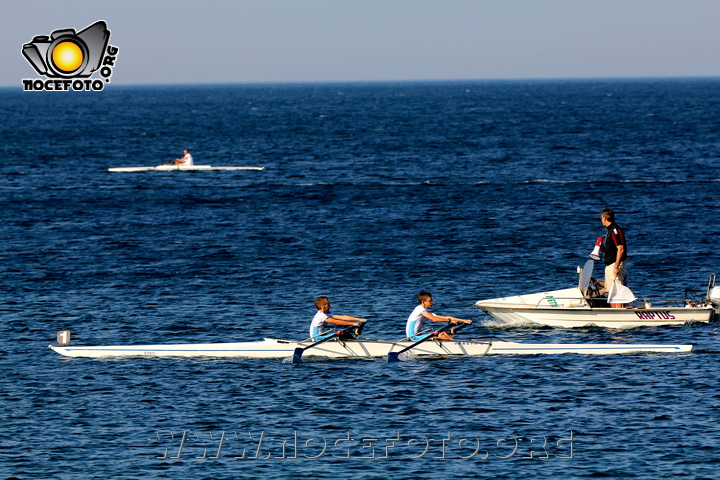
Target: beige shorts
<point>610,274</point>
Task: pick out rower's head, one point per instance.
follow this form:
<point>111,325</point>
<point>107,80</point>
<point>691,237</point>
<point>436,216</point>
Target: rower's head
<point>323,304</point>
<point>425,299</point>
<point>607,216</point>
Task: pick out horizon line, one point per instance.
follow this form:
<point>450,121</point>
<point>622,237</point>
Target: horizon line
<point>406,81</point>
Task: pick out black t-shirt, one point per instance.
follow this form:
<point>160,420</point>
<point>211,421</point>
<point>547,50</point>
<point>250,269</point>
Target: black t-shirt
<point>614,237</point>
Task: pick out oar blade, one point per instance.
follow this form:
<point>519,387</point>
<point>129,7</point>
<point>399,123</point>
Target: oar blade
<point>297,355</point>
<point>393,357</point>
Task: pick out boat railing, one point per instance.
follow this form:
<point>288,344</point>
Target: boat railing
<point>570,302</point>
<point>543,302</point>
<point>558,302</point>
<point>587,302</point>
<point>675,302</point>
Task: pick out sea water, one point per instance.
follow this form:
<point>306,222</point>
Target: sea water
<point>370,194</point>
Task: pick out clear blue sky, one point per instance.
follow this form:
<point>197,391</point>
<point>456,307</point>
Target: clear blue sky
<point>210,41</point>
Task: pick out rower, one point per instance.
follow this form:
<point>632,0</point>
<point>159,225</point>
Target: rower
<point>186,161</point>
<point>323,321</point>
<point>420,318</point>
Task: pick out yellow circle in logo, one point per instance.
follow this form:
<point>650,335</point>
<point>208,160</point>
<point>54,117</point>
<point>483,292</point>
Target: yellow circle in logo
<point>67,56</point>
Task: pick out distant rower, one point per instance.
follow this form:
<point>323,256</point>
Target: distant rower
<point>186,161</point>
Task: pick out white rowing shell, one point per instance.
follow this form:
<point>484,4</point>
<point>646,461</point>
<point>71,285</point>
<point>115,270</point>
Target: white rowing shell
<point>172,168</point>
<point>272,348</point>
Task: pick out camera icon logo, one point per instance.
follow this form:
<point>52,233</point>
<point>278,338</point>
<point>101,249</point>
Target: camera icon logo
<point>68,54</point>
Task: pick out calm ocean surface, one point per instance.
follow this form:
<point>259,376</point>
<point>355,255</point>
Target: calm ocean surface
<point>370,193</point>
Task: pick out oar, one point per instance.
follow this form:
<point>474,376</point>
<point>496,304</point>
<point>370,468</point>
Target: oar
<point>297,355</point>
<point>394,356</point>
<point>166,163</point>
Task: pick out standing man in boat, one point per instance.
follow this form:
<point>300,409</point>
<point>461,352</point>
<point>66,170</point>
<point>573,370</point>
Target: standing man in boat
<point>323,321</point>
<point>420,318</point>
<point>186,161</point>
<point>615,252</point>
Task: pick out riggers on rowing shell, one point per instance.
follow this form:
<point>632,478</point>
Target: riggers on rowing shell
<point>353,330</point>
<point>395,356</point>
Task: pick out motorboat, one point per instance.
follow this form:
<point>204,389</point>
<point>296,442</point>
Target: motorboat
<point>582,306</point>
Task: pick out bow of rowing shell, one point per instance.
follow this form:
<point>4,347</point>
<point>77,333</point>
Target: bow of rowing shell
<point>273,348</point>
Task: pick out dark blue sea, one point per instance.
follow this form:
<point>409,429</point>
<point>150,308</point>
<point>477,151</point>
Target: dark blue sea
<point>370,193</point>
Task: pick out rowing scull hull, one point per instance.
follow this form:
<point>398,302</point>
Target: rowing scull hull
<point>173,168</point>
<point>273,348</point>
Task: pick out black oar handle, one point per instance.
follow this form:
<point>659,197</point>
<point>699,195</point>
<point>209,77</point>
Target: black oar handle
<point>457,327</point>
<point>453,327</point>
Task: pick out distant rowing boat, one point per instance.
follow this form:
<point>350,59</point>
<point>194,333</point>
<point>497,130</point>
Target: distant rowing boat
<point>182,168</point>
<point>358,348</point>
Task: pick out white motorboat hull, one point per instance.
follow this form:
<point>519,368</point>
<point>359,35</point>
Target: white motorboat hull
<point>172,168</point>
<point>272,348</point>
<point>568,309</point>
<point>621,318</point>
